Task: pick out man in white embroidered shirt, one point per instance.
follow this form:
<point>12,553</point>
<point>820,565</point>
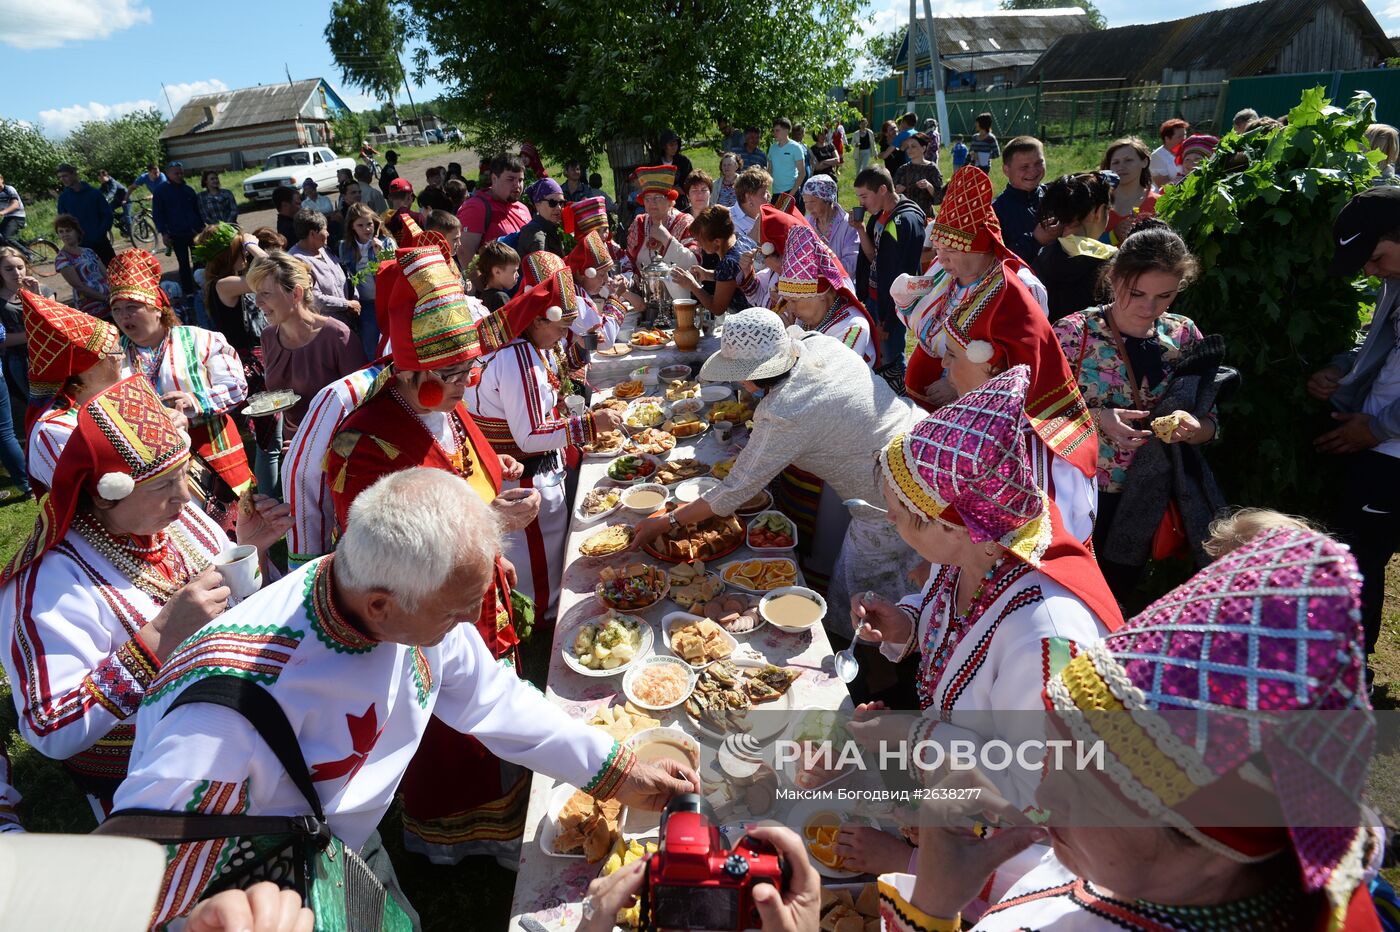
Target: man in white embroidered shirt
<point>360,649</point>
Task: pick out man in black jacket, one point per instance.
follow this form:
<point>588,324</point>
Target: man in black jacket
<point>891,243</point>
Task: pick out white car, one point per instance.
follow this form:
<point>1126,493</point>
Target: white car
<point>292,167</point>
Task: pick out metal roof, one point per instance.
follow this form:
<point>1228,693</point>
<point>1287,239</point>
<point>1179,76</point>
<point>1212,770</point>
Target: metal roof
<point>1020,35</point>
<point>1238,40</point>
<point>247,106</point>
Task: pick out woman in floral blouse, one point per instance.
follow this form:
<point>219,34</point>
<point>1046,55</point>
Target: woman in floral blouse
<point>1124,354</point>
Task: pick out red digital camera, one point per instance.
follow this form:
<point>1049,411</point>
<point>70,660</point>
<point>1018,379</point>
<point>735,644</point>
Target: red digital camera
<point>696,881</point>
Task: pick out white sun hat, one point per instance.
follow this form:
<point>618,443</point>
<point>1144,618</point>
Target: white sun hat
<point>755,345</point>
<point>120,880</point>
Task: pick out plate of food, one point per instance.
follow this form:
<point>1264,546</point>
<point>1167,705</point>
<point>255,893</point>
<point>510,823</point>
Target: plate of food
<point>760,576</point>
<point>813,730</point>
<point>611,404</point>
<point>682,389</point>
<point>848,907</point>
<point>608,443</point>
<point>685,426</point>
<point>691,585</point>
<point>612,539</point>
<point>735,412</point>
<point>687,406</point>
<point>633,467</point>
<point>653,441</point>
<point>632,388</point>
<point>617,349</point>
<point>727,690</point>
<point>759,503</point>
<point>698,641</point>
<point>721,469</point>
<point>578,826</point>
<point>820,826</point>
<point>659,683</point>
<point>735,612</point>
<point>598,503</point>
<point>606,645</point>
<point>710,539</point>
<point>650,338</point>
<point>772,532</point>
<point>712,392</point>
<point>633,588</point>
<point>264,404</point>
<point>672,373</point>
<point>679,470</point>
<point>642,414</point>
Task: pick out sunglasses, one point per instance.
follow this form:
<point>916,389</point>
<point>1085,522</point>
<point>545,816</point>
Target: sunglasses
<point>556,202</point>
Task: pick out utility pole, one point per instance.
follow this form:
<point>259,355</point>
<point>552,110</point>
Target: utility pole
<point>409,91</point>
<point>168,104</point>
<point>940,98</point>
<point>910,57</point>
<point>289,72</point>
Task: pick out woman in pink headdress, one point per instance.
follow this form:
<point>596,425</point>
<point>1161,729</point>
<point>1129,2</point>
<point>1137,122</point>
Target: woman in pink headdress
<point>815,291</point>
<point>1219,676</point>
<point>1012,596</point>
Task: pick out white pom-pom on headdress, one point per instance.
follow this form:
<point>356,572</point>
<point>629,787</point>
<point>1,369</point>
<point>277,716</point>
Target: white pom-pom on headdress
<point>979,351</point>
<point>767,249</point>
<point>554,314</point>
<point>605,293</point>
<point>590,273</point>
<point>115,486</point>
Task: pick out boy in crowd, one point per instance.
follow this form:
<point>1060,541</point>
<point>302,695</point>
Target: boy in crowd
<point>984,146</point>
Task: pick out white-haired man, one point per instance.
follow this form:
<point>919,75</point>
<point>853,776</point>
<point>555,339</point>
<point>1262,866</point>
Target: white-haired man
<point>360,649</point>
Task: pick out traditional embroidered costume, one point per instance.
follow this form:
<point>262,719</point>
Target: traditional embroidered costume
<point>680,249</point>
<point>810,268</point>
<point>519,405</point>
<point>193,360</point>
<point>1270,629</point>
<point>358,708</point>
<point>445,816</point>
<point>74,598</point>
<point>591,258</point>
<point>63,343</point>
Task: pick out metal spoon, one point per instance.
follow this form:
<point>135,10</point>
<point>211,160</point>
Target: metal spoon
<point>846,664</point>
<point>862,503</point>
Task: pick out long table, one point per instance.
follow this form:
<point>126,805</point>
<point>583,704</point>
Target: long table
<point>549,889</point>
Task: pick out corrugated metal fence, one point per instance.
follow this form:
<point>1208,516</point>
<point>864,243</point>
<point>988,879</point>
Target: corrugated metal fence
<point>1275,95</point>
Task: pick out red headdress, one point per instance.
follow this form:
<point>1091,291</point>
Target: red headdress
<point>134,275</point>
<point>774,226</point>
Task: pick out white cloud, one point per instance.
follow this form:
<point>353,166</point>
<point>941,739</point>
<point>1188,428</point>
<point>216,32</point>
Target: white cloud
<point>62,121</point>
<point>52,23</point>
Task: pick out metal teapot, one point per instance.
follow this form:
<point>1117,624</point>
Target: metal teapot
<point>654,291</point>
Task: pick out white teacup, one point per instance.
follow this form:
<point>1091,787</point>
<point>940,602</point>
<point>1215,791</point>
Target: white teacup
<point>239,567</point>
<point>576,404</point>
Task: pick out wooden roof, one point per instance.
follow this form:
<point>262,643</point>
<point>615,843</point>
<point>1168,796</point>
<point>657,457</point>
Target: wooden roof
<point>247,106</point>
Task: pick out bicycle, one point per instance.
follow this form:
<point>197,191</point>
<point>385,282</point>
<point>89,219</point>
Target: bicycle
<point>142,230</point>
<point>37,251</point>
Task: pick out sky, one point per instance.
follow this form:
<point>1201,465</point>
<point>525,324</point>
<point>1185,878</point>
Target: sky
<point>98,59</point>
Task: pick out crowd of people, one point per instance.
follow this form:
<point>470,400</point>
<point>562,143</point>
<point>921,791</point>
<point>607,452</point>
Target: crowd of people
<point>979,409</point>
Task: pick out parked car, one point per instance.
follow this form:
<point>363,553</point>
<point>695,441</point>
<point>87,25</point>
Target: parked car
<point>292,167</point>
<point>432,136</point>
<point>453,134</point>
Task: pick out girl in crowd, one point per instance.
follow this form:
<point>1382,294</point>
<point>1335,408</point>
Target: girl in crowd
<point>714,283</point>
<point>81,268</point>
<point>1070,267</point>
<point>1134,198</point>
<point>1384,139</point>
<point>359,254</point>
<point>918,178</point>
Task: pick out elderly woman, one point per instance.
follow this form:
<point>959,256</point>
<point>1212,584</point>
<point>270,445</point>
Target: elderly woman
<point>1012,595</point>
<point>81,268</point>
<point>1134,198</point>
<point>74,356</point>
<point>542,232</point>
<point>116,573</point>
<point>769,234</point>
<point>1129,357</point>
<point>332,287</point>
<point>828,218</point>
<point>660,230</point>
<point>194,371</point>
<point>723,192</point>
<point>815,291</point>
<point>1218,676</point>
<point>824,411</point>
<point>1071,266</point>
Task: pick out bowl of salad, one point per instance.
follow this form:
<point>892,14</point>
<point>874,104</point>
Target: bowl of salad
<point>633,467</point>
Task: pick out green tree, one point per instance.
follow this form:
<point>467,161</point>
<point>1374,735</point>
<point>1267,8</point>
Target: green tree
<point>1096,19</point>
<point>880,52</point>
<point>570,75</point>
<point>1258,217</point>
<point>28,158</point>
<point>366,38</point>
<point>124,146</point>
<point>347,131</point>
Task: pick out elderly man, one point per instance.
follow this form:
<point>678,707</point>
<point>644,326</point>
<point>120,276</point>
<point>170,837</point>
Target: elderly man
<point>360,650</point>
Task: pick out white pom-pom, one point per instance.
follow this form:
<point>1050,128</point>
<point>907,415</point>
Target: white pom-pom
<point>767,249</point>
<point>115,486</point>
<point>605,293</point>
<point>979,351</point>
<point>555,313</point>
<point>590,273</point>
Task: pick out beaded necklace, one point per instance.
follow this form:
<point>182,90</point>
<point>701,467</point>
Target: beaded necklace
<point>150,368</point>
<point>461,463</point>
<point>935,659</point>
<point>159,571</point>
<point>1276,907</point>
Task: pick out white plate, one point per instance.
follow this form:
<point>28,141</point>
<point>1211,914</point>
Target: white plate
<point>691,438</point>
<point>620,451</point>
<point>694,489</point>
<point>803,811</point>
<point>792,525</point>
<point>645,486</point>
<point>677,482</point>
<point>647,478</point>
<point>629,681</point>
<point>632,409</point>
<point>770,724</point>
<point>687,406</point>
<point>665,591</point>
<point>263,404</point>
<point>714,391</point>
<point>790,767</point>
<point>708,575</point>
<point>589,519</point>
<point>566,646</point>
<point>793,590</point>
<point>549,828</point>
<point>681,618</point>
<point>671,373</point>
<point>741,587</point>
